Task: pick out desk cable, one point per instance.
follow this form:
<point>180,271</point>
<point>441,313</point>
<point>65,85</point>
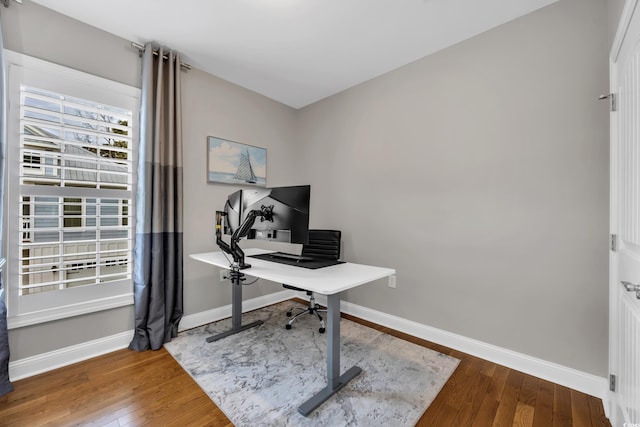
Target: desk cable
<point>245,284</point>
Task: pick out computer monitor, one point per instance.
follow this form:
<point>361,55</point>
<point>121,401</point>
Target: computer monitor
<point>277,214</point>
<point>290,213</point>
<point>233,209</point>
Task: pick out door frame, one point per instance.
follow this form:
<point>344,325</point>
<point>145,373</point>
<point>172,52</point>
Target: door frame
<point>610,405</point>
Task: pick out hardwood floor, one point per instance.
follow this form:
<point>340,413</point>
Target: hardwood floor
<point>127,388</point>
<point>481,393</point>
<point>123,388</point>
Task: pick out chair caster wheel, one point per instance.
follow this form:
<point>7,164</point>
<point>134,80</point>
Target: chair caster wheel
<point>288,314</point>
<point>288,326</point>
<point>321,330</point>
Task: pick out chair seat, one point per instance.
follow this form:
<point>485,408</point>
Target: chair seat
<point>293,288</point>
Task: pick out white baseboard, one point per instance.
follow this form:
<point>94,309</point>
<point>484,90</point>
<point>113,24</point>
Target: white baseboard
<point>568,377</point>
<point>204,317</point>
<point>34,365</point>
<point>55,359</point>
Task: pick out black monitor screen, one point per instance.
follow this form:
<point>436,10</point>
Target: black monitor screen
<point>233,209</point>
<point>290,213</point>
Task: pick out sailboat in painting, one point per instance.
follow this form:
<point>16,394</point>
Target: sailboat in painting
<point>245,170</point>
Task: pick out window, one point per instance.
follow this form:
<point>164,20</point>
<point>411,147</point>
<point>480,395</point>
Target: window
<point>72,212</point>
<point>71,154</point>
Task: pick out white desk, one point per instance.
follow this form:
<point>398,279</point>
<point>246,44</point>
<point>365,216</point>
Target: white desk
<point>330,281</point>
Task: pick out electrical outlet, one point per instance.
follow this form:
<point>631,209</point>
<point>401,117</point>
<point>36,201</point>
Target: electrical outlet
<point>223,275</point>
<point>392,281</point>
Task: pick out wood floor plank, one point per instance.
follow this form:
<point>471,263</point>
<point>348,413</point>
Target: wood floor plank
<point>444,416</point>
<point>509,400</point>
<point>543,413</point>
<point>523,416</point>
<point>489,405</point>
<point>498,381</point>
<point>469,370</point>
<point>596,410</point>
<point>529,390</point>
<point>580,409</point>
<point>129,388</point>
<point>476,391</point>
<point>562,412</point>
<point>487,412</point>
<point>488,368</point>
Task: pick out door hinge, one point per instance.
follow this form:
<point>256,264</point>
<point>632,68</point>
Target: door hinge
<point>612,382</point>
<point>613,242</point>
<point>612,100</point>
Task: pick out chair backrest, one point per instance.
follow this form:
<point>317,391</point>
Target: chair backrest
<point>323,244</point>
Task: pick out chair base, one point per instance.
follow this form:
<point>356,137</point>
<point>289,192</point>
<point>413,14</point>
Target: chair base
<point>313,309</point>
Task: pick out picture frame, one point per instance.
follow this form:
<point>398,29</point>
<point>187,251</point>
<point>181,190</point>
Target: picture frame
<point>231,162</point>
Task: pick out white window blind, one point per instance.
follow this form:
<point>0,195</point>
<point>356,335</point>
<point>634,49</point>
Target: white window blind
<point>75,187</point>
<point>71,156</point>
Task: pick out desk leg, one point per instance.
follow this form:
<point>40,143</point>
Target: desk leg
<point>236,315</point>
<point>335,381</point>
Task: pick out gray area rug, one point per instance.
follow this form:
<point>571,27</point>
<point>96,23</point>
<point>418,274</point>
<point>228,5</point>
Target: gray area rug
<point>259,377</point>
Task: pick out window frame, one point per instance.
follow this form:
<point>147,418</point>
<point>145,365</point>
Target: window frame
<point>38,308</point>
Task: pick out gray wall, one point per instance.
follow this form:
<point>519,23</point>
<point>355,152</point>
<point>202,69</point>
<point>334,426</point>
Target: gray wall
<point>480,173</point>
<point>211,107</point>
<point>215,107</point>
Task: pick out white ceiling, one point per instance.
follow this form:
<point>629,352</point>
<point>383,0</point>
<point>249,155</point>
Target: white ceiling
<point>297,51</point>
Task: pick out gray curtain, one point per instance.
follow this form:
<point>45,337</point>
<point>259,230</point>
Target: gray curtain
<point>157,264</point>
<point>5,384</point>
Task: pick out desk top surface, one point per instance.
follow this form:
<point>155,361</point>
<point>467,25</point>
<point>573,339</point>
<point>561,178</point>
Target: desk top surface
<point>325,281</point>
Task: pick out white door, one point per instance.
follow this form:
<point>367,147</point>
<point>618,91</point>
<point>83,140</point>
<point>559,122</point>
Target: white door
<point>624,341</point>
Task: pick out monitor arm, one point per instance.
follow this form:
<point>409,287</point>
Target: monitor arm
<point>221,243</point>
<point>265,213</point>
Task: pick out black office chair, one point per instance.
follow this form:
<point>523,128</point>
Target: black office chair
<point>323,244</point>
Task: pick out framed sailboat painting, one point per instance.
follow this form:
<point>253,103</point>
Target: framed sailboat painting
<point>231,162</point>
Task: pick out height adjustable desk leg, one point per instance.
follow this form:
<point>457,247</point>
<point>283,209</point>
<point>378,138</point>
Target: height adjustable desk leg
<point>236,315</point>
<point>335,381</point>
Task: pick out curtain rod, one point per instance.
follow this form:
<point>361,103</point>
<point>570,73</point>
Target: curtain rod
<point>155,52</point>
